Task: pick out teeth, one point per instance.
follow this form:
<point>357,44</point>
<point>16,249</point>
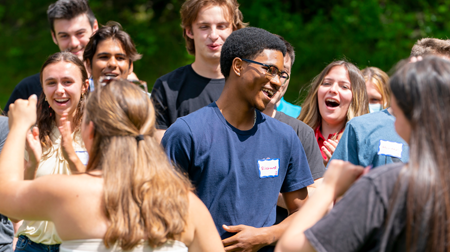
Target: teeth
<point>112,75</point>
<point>332,100</point>
<point>270,92</point>
<point>61,100</point>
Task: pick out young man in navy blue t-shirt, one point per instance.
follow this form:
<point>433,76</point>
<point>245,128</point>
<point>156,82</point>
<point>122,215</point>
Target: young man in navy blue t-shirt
<point>238,158</point>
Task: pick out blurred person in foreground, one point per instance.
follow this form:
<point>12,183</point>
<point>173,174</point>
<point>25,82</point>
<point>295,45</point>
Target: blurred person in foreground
<point>396,207</point>
<point>129,199</point>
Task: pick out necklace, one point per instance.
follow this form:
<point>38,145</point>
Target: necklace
<point>254,119</point>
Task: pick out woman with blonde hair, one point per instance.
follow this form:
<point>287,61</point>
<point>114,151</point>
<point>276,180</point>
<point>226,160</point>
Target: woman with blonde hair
<point>129,198</point>
<point>336,95</point>
<point>377,88</point>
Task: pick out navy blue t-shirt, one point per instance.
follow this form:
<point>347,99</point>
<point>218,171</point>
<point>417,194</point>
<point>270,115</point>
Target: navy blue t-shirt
<point>238,174</point>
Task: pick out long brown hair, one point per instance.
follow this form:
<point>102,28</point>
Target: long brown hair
<point>45,114</point>
<point>381,80</point>
<point>422,91</point>
<point>310,113</point>
<point>144,196</point>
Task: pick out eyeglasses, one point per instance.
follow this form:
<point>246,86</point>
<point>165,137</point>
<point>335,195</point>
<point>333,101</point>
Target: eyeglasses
<point>272,71</point>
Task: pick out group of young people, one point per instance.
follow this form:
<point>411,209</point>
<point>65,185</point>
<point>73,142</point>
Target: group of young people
<point>214,159</point>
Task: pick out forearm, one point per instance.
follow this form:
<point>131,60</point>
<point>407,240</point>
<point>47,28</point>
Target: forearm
<point>313,210</point>
<point>75,164</point>
<point>30,170</point>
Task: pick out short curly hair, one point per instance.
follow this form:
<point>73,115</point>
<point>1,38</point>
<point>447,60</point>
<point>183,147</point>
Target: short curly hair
<point>431,46</point>
<point>247,43</point>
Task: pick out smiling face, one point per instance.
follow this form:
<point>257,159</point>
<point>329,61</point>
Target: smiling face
<point>209,31</point>
<point>287,68</point>
<point>63,86</point>
<point>335,95</point>
<point>73,34</point>
<point>258,89</point>
<point>110,60</point>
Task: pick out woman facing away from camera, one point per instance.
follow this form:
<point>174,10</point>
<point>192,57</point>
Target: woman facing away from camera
<point>53,145</point>
<point>336,95</point>
<point>397,207</point>
<point>377,88</point>
<point>129,198</point>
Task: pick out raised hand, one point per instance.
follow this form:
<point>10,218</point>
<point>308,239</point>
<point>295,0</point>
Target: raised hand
<point>341,175</point>
<point>33,147</point>
<point>22,113</point>
<point>329,148</point>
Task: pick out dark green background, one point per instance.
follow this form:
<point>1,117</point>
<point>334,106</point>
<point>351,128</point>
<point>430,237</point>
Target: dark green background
<point>368,33</point>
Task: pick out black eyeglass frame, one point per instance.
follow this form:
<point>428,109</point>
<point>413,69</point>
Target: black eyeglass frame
<point>279,73</point>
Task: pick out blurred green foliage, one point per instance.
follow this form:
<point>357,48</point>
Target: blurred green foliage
<point>368,33</point>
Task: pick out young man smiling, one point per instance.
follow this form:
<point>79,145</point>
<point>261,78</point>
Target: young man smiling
<point>71,22</point>
<point>206,25</point>
<point>239,159</point>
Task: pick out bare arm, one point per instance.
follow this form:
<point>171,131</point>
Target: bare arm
<point>159,135</point>
<point>338,178</point>
<point>206,238</point>
<point>255,238</point>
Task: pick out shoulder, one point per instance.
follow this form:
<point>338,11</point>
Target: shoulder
<point>176,74</point>
<point>384,177</point>
<point>32,80</point>
<point>293,122</point>
<point>371,119</point>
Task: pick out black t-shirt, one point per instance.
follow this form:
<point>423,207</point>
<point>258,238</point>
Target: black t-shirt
<point>26,87</point>
<point>182,92</point>
<point>357,222</point>
<point>309,142</point>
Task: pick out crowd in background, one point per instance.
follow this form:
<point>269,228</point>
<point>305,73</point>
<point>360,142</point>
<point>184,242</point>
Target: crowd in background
<point>213,158</point>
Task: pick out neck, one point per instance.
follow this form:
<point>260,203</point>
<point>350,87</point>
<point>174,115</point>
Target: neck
<point>235,110</point>
<point>270,110</point>
<point>328,129</point>
<point>207,68</point>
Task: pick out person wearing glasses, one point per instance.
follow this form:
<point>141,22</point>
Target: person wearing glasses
<point>206,25</point>
<point>238,158</point>
<point>336,95</point>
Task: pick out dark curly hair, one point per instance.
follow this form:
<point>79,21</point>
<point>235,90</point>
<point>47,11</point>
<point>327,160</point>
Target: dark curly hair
<point>247,43</point>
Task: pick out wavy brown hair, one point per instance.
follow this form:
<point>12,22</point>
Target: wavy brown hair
<point>191,8</point>
<point>145,197</point>
<point>422,91</point>
<point>381,80</point>
<point>45,114</point>
<point>359,105</point>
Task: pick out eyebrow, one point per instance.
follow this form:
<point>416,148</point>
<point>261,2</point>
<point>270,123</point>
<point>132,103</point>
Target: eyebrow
<point>338,81</point>
<point>107,53</point>
<point>80,30</point>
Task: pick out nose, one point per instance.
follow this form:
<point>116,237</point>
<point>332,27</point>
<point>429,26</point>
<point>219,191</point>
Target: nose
<point>276,81</point>
<point>60,89</point>
<point>334,88</point>
<point>213,35</point>
<point>112,63</point>
<point>74,42</point>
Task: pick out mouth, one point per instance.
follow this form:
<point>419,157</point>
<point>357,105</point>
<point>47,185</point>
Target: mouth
<point>214,47</point>
<point>331,103</point>
<point>269,93</point>
<point>61,101</point>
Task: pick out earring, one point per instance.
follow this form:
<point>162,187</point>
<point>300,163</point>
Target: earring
<point>46,98</point>
<point>238,74</point>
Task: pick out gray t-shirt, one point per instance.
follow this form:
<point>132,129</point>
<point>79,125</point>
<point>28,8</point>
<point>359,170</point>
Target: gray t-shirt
<point>309,142</point>
<point>6,228</point>
<point>357,222</point>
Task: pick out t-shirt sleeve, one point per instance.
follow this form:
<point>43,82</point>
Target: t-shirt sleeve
<point>159,100</point>
<point>179,145</point>
<point>4,130</point>
<point>298,175</point>
<point>347,148</point>
<point>352,222</point>
<point>313,155</point>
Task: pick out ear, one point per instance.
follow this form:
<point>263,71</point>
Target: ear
<point>189,32</point>
<point>88,67</point>
<point>91,130</point>
<point>130,69</point>
<point>54,38</point>
<point>95,26</point>
<point>85,87</point>
<point>237,66</point>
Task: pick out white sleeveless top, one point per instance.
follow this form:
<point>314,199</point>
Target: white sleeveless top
<point>89,245</point>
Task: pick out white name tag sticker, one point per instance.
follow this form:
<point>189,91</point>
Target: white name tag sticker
<point>268,167</point>
<point>83,156</point>
<point>392,149</point>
